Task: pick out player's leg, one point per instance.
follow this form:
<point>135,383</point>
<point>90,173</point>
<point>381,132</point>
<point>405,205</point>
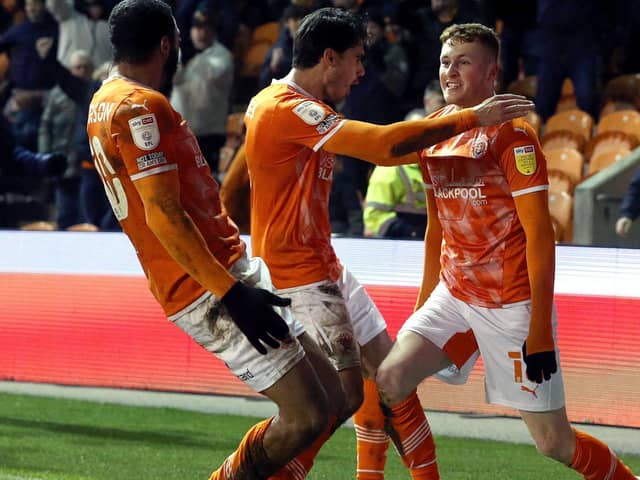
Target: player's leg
<point>416,355</point>
<point>587,455</point>
<point>500,334</point>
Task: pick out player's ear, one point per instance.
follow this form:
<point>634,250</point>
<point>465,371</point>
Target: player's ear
<point>329,56</point>
<point>165,45</point>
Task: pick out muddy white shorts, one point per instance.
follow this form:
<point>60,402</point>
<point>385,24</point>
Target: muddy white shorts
<point>209,324</point>
<point>340,316</point>
<point>466,331</point>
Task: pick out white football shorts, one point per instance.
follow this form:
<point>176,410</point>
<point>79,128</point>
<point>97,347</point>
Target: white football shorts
<point>209,324</point>
<point>340,316</point>
<point>465,331</point>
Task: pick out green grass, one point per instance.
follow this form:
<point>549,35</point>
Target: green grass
<point>54,439</point>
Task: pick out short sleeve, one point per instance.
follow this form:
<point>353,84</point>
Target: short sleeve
<point>144,128</point>
<point>307,122</point>
<point>522,159</point>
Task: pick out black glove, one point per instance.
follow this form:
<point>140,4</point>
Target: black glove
<point>539,365</point>
<point>251,310</point>
<point>55,163</point>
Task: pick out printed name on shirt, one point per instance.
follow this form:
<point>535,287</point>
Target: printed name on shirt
<point>151,160</point>
<point>145,131</point>
<point>310,112</point>
<point>99,112</point>
<point>327,123</point>
<point>525,158</point>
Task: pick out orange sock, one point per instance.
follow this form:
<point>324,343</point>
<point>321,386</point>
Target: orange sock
<point>596,461</point>
<point>372,440</point>
<point>409,429</point>
<point>299,467</point>
<point>249,460</point>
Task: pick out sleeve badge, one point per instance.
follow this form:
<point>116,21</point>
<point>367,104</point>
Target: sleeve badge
<point>525,158</point>
<point>145,131</point>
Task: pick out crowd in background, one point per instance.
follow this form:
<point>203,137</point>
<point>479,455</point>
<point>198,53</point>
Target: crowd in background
<point>55,53</point>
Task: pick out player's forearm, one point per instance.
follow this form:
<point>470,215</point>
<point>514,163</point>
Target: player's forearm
<point>392,144</point>
<point>177,233</point>
<point>541,266</point>
<point>431,268</point>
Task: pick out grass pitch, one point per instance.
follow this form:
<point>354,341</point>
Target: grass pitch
<point>57,439</point>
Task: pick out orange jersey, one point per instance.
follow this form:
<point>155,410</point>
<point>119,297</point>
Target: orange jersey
<point>474,178</point>
<point>291,180</point>
<point>133,133</point>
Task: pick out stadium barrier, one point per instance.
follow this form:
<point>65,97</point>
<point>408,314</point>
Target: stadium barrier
<point>76,311</point>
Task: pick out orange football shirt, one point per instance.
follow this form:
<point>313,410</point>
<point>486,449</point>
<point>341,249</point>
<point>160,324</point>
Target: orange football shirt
<point>291,178</point>
<point>133,133</point>
<point>474,177</point>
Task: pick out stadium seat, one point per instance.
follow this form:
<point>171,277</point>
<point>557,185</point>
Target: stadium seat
<point>576,121</point>
<point>525,86</point>
<point>561,210</point>
<point>567,99</point>
<point>559,181</point>
<point>534,120</point>
<point>612,140</point>
<point>605,158</point>
<point>562,139</point>
<point>627,121</point>
<point>262,39</point>
<point>624,89</point>
<point>566,160</point>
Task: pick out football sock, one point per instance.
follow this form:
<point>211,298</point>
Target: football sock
<point>250,459</point>
<point>372,440</point>
<point>409,429</point>
<point>596,461</point>
<point>299,467</point>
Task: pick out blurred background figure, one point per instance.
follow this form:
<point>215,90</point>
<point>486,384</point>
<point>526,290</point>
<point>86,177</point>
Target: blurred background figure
<point>395,204</point>
<point>630,209</point>
<point>278,61</point>
<point>28,77</point>
<point>377,98</point>
<point>82,28</point>
<point>202,87</point>
<point>57,129</point>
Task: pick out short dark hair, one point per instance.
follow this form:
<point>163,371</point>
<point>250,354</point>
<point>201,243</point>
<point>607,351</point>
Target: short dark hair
<point>136,28</point>
<point>326,28</point>
<point>472,32</point>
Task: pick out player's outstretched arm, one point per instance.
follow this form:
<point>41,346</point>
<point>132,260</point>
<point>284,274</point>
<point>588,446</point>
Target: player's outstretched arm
<point>249,307</point>
<point>394,144</point>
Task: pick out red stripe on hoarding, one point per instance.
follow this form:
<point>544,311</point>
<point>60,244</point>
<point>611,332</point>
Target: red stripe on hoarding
<point>109,331</point>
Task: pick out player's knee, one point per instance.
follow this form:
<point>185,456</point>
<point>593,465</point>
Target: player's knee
<point>307,427</point>
<point>390,385</point>
<point>552,446</point>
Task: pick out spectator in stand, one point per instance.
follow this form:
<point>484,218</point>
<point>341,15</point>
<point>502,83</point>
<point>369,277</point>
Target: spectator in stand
<point>27,73</point>
<point>630,209</point>
<point>22,171</point>
<point>424,26</point>
<point>384,80</point>
<point>57,126</point>
<point>519,50</point>
<point>84,29</point>
<point>570,41</point>
<point>202,88</point>
<point>278,61</point>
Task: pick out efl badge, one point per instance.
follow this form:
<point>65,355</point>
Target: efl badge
<point>525,159</point>
<point>479,146</point>
<point>310,112</point>
<point>145,131</point>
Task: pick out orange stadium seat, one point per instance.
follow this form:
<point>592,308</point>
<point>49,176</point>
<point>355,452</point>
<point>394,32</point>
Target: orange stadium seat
<point>612,140</point>
<point>534,120</point>
<point>566,160</point>
<point>559,181</point>
<point>576,121</point>
<point>626,121</point>
<point>624,89</point>
<point>262,39</point>
<point>525,86</point>
<point>567,99</point>
<point>561,210</point>
<point>605,158</point>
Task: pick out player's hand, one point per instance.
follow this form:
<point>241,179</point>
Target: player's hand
<point>501,108</point>
<point>251,310</point>
<point>540,365</point>
<point>623,225</point>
